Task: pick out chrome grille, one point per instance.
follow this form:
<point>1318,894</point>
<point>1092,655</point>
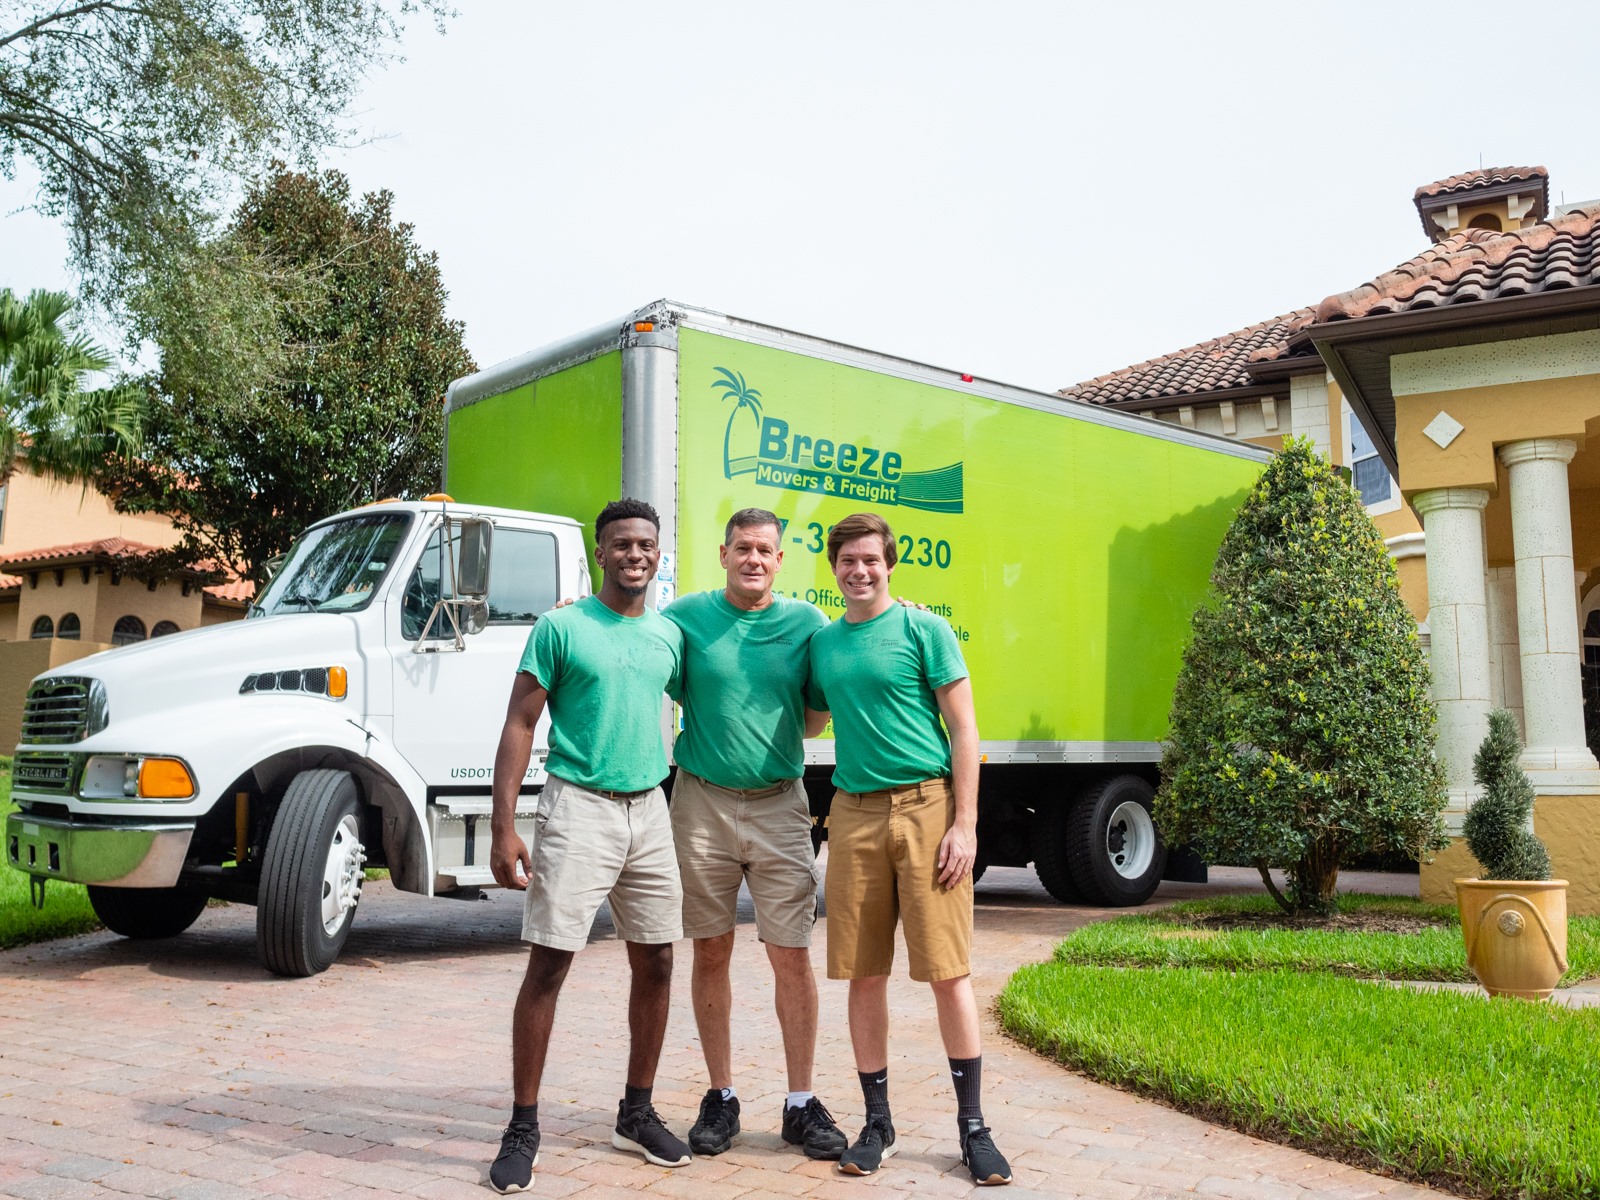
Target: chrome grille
<point>56,710</point>
<point>50,774</point>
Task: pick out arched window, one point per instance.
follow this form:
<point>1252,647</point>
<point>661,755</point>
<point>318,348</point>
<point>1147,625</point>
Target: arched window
<point>69,628</point>
<point>163,628</point>
<point>43,627</point>
<point>1485,221</point>
<point>128,630</point>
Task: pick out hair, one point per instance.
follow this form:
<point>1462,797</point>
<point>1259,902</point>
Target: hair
<point>624,510</point>
<point>749,518</point>
<point>860,525</point>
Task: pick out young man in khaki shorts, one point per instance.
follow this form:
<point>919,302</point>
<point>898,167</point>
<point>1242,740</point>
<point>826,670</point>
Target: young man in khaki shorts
<point>740,814</point>
<point>902,832</point>
<point>601,666</point>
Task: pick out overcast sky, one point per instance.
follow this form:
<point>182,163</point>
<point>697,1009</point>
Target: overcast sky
<point>1037,193</point>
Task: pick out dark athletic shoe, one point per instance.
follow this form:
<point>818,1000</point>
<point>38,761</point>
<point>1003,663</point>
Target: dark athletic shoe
<point>813,1127</point>
<point>875,1144</point>
<point>644,1131</point>
<point>719,1121</point>
<point>988,1166</point>
<point>512,1170</point>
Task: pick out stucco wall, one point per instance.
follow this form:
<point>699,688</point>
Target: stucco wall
<point>41,511</point>
<point>99,603</point>
<point>19,663</point>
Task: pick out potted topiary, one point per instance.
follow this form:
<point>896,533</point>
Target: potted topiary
<point>1514,919</point>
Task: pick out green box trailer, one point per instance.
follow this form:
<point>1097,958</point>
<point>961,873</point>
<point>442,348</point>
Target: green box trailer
<point>1068,546</point>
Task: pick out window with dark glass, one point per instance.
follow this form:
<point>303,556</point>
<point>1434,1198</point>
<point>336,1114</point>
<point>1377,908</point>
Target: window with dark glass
<point>127,631</point>
<point>522,581</point>
<point>43,627</point>
<point>163,628</point>
<point>69,628</point>
<point>1370,476</point>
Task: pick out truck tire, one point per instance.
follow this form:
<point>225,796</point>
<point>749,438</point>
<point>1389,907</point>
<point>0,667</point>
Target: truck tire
<point>1113,850</point>
<point>146,912</point>
<point>311,875</point>
<point>1050,825</point>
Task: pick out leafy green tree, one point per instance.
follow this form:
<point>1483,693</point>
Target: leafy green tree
<point>1496,827</point>
<point>48,418</point>
<point>1302,727</point>
<point>142,116</point>
<point>354,413</point>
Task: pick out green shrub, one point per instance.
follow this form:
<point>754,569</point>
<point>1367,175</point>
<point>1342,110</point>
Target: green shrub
<point>1302,727</point>
<point>1496,827</point>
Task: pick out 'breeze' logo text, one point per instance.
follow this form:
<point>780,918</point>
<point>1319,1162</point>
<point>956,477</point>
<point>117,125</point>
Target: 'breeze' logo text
<point>801,462</point>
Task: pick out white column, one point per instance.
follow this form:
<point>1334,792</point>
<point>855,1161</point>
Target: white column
<point>1458,628</point>
<point>1547,617</point>
<point>1505,658</point>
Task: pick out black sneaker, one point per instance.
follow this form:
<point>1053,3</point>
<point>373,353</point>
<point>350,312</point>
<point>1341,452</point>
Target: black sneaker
<point>812,1126</point>
<point>512,1170</point>
<point>988,1166</point>
<point>875,1144</point>
<point>719,1121</point>
<point>644,1131</point>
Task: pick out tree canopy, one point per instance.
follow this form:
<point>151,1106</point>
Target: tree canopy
<point>47,416</point>
<point>141,116</point>
<point>1302,724</point>
<point>354,411</point>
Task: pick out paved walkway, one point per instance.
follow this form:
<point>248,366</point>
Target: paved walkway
<point>179,1069</point>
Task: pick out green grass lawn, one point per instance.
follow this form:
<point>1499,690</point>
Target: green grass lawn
<point>1179,937</point>
<point>66,905</point>
<point>1492,1098</point>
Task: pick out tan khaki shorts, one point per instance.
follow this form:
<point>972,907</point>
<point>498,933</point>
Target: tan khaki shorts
<point>588,847</point>
<point>762,838</point>
<point>883,853</point>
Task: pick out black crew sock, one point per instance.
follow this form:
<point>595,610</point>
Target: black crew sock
<point>967,1075</point>
<point>525,1114</point>
<point>875,1090</point>
<point>634,1098</point>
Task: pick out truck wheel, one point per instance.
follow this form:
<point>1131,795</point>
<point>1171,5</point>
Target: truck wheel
<point>1050,851</point>
<point>146,912</point>
<point>311,875</point>
<point>1115,855</point>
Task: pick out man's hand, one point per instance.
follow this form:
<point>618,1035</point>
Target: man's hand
<point>904,603</point>
<point>562,603</point>
<point>509,859</point>
<point>957,852</point>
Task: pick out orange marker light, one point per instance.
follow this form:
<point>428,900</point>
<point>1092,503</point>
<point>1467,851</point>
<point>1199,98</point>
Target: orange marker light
<point>165,779</point>
<point>338,682</point>
<point>644,326</point>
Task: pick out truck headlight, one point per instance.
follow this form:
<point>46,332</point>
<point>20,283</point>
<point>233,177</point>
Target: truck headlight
<point>332,683</point>
<point>136,777</point>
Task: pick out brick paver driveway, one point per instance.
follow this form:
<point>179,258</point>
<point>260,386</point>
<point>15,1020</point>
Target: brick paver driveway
<point>179,1069</point>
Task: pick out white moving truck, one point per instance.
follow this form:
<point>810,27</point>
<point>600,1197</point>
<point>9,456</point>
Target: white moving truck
<point>353,719</point>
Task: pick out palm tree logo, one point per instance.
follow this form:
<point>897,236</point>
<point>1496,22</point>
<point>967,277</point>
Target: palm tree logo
<point>744,396</point>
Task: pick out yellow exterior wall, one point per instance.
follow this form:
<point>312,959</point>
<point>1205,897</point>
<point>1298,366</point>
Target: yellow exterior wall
<point>1491,416</point>
<point>19,663</point>
<point>1338,435</point>
<point>41,511</point>
<point>1413,574</point>
<point>1569,826</point>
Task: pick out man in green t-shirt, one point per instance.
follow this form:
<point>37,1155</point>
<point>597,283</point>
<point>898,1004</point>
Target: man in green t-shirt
<point>600,667</point>
<point>902,831</point>
<point>740,815</point>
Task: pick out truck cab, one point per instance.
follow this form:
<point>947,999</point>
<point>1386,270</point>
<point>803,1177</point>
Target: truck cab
<point>350,721</point>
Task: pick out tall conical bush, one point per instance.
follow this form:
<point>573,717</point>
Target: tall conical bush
<point>1496,827</point>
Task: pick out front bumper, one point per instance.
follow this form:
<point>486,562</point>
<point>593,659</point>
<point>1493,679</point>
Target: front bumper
<point>143,854</point>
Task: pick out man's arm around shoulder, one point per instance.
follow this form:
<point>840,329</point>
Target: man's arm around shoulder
<point>508,853</point>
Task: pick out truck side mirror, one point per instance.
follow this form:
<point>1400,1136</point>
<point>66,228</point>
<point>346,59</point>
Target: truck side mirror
<point>473,537</point>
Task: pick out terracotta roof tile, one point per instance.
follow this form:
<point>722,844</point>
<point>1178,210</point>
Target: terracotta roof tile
<point>1473,265</point>
<point>1487,177</point>
<point>10,583</point>
<point>238,591</point>
<point>113,547</point>
<point>1211,366</point>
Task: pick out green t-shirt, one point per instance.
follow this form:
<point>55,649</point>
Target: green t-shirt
<point>744,676</point>
<point>879,678</point>
<point>605,674</point>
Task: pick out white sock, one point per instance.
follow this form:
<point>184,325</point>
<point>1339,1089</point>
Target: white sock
<point>729,1094</point>
<point>799,1099</point>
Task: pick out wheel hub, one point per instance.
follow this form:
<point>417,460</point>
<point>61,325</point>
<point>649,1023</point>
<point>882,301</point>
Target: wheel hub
<point>1130,839</point>
<point>342,875</point>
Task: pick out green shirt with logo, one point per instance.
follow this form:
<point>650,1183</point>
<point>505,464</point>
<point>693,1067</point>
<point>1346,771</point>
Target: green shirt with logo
<point>744,676</point>
<point>605,674</point>
<point>879,678</point>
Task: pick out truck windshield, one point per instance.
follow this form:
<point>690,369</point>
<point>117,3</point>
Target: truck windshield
<point>335,567</point>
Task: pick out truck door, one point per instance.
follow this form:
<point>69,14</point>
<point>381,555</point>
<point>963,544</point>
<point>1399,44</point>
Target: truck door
<point>449,705</point>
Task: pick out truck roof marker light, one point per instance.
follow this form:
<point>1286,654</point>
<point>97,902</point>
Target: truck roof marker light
<point>644,326</point>
<point>338,683</point>
<point>445,496</point>
<point>165,779</point>
<point>965,378</point>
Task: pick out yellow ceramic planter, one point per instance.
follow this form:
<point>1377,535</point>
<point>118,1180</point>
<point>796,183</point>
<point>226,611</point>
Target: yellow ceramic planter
<point>1516,934</point>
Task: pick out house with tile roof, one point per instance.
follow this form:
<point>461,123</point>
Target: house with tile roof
<point>1461,390</point>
